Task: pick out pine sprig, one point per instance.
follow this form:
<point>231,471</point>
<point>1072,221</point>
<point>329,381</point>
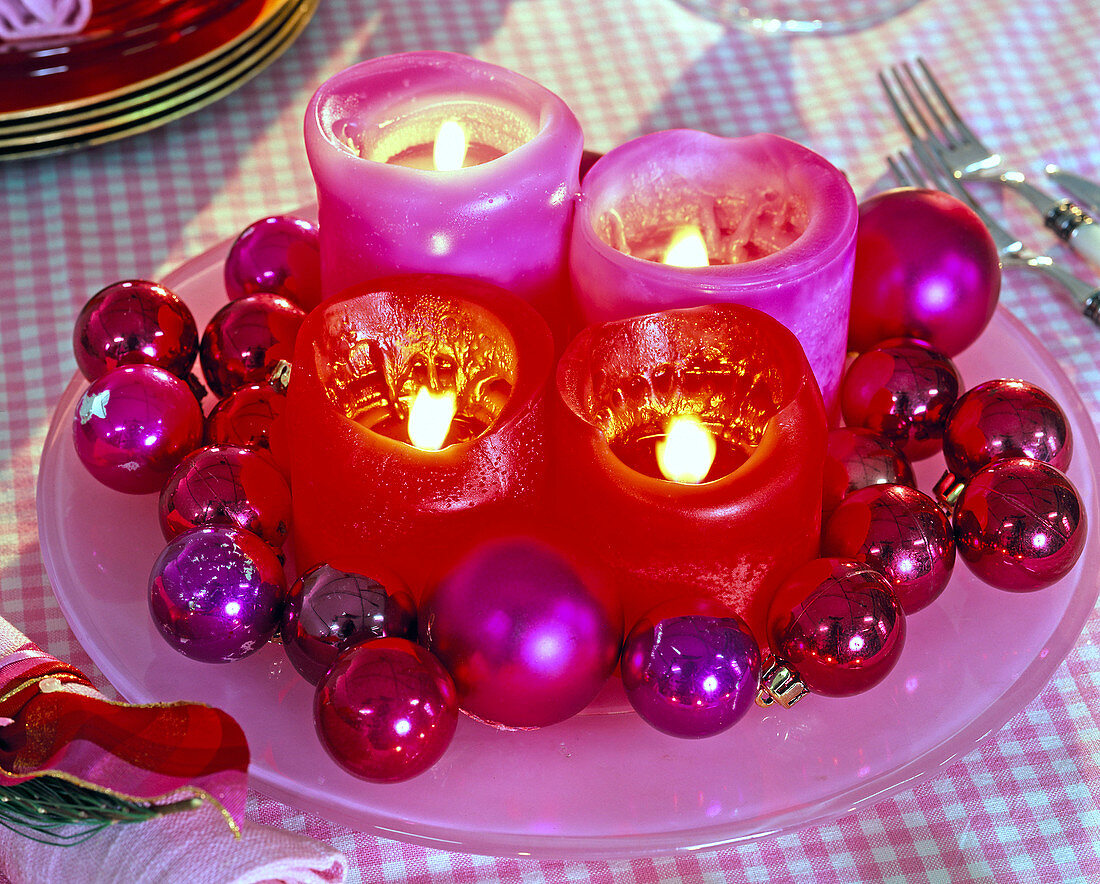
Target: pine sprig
<point>55,811</point>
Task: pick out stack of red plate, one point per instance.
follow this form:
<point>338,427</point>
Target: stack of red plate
<point>136,65</point>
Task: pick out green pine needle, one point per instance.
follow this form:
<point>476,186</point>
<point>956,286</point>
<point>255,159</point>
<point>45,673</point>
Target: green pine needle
<point>55,811</point>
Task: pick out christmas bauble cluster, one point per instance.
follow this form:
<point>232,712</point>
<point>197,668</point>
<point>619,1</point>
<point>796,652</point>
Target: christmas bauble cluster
<point>519,635</point>
<point>925,286</point>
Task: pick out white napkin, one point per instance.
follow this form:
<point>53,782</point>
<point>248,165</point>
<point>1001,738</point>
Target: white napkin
<point>194,847</point>
<point>23,19</point>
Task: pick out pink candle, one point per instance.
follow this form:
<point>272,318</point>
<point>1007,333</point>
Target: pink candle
<point>499,210</point>
<point>767,222</point>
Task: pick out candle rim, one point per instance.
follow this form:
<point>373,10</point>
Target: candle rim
<point>531,339</point>
<point>547,110</point>
<point>828,241</point>
<point>568,374</point>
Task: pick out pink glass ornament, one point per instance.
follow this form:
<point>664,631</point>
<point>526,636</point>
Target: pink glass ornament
<point>280,254</point>
<point>691,668</point>
<point>328,610</point>
<point>133,425</point>
<point>926,267</point>
<point>505,220</point>
<point>386,711</point>
<point>900,532</point>
<point>529,643</point>
<point>1005,418</point>
<point>1020,524</point>
<point>902,389</point>
<point>839,624</point>
<point>779,223</point>
<point>248,417</point>
<point>858,458</point>
<point>246,338</point>
<point>216,593</point>
<point>226,485</point>
<point>134,322</point>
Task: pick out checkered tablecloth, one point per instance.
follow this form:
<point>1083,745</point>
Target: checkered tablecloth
<point>1025,806</point>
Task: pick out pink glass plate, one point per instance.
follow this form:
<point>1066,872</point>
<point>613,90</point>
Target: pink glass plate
<point>602,784</point>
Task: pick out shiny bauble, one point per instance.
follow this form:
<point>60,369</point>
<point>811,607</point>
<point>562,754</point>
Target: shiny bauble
<point>247,417</point>
<point>386,711</point>
<point>245,339</point>
<point>691,668</point>
<point>1005,418</point>
<point>1020,525</point>
<point>838,623</point>
<point>226,485</point>
<point>216,594</point>
<point>900,532</point>
<point>903,390</point>
<point>133,426</point>
<point>926,267</point>
<point>528,641</point>
<point>280,254</point>
<point>134,322</point>
<point>857,458</point>
<point>328,609</point>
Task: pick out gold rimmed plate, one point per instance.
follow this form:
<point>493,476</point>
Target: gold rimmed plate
<point>128,46</point>
<point>122,118</point>
<point>114,109</point>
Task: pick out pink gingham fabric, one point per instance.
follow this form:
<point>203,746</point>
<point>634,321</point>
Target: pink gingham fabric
<point>1025,805</point>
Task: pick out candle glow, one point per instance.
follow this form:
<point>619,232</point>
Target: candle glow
<point>449,152</point>
<point>430,417</point>
<point>687,248</point>
<point>687,451</point>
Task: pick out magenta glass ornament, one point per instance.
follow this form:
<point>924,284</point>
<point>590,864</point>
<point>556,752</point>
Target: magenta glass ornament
<point>133,425</point>
<point>902,389</point>
<point>216,594</point>
<point>839,624</point>
<point>527,641</point>
<point>386,711</point>
<point>226,485</point>
<point>777,219</point>
<point>858,458</point>
<point>280,254</point>
<point>246,417</point>
<point>134,322</point>
<point>1005,418</point>
<point>899,531</point>
<point>926,267</point>
<point>1020,525</point>
<point>246,338</point>
<point>691,668</point>
<point>328,609</point>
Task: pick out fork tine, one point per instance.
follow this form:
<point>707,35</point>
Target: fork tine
<point>926,108</point>
<point>899,113</point>
<point>945,102</point>
<point>913,171</point>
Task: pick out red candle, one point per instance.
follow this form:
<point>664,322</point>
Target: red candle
<point>749,515</point>
<point>417,422</point>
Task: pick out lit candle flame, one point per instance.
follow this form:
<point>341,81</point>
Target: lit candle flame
<point>686,453</point>
<point>430,417</point>
<point>687,248</point>
<point>450,147</point>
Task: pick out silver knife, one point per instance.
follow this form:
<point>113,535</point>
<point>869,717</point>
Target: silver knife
<point>1072,224</point>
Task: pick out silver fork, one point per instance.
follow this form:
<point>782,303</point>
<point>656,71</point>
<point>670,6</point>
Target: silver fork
<point>929,118</point>
<point>932,171</point>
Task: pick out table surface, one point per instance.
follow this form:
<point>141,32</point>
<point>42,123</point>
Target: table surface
<point>1024,805</point>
